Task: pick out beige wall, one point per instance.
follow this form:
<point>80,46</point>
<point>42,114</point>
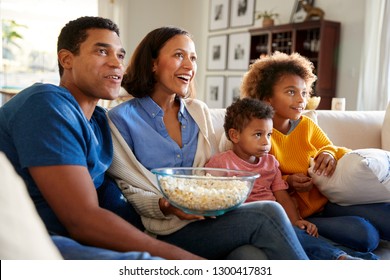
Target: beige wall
<point>140,17</point>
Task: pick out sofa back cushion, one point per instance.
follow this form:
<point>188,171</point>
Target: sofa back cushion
<point>352,129</point>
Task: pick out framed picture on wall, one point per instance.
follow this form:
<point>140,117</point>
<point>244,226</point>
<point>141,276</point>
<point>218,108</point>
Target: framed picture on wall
<point>242,13</point>
<point>298,13</point>
<point>219,14</point>
<point>217,52</point>
<point>238,53</point>
<point>233,84</point>
<point>215,89</point>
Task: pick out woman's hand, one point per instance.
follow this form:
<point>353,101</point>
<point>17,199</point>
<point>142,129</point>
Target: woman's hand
<point>169,209</point>
<point>300,182</point>
<point>311,229</point>
<point>325,164</point>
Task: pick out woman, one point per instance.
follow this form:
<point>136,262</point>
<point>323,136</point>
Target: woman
<point>163,127</point>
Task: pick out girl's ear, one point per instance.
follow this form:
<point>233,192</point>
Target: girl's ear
<point>234,135</point>
<point>267,100</point>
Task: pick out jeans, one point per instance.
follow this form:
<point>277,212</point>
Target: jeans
<point>378,214</point>
<point>353,232</point>
<point>322,249</point>
<point>72,250</point>
<point>263,225</point>
<point>111,198</point>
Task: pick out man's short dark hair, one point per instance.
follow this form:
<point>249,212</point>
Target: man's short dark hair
<point>75,32</point>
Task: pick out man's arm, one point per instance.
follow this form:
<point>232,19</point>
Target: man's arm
<point>71,194</point>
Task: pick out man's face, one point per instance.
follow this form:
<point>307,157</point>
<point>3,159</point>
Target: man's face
<point>97,71</point>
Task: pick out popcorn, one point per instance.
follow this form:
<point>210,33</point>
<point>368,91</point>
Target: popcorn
<point>204,194</point>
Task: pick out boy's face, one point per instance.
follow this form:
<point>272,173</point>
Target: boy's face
<point>254,140</point>
<point>289,97</point>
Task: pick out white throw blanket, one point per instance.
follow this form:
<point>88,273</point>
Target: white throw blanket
<point>139,185</point>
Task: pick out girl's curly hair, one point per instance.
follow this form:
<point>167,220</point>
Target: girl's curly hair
<point>265,72</point>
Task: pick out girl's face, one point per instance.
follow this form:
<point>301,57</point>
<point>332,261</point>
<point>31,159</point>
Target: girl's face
<point>254,140</point>
<point>289,97</point>
<point>175,67</point>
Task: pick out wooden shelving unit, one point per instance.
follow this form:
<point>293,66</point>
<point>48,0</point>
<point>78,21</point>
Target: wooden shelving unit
<point>316,40</point>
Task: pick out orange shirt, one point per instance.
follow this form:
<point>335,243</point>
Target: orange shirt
<point>293,151</point>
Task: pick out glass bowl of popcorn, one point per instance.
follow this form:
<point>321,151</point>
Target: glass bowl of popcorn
<point>205,191</point>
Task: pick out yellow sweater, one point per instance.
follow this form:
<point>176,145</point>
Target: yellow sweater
<point>294,151</point>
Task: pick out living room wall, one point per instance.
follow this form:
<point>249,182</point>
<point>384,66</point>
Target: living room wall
<point>137,18</point>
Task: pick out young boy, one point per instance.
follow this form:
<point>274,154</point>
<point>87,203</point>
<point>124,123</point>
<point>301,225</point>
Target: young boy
<point>248,125</point>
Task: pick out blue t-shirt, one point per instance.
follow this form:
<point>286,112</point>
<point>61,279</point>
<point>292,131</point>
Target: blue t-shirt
<point>44,125</point>
<point>140,122</point>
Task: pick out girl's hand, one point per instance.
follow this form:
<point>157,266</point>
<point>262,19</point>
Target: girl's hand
<point>325,164</point>
<point>300,182</point>
<point>311,229</point>
<point>169,209</point>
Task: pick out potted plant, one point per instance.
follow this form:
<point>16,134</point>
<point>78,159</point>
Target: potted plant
<point>268,17</point>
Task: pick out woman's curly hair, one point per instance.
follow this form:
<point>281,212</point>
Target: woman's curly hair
<point>265,72</point>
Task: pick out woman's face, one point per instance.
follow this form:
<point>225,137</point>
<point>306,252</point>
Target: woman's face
<point>175,67</point>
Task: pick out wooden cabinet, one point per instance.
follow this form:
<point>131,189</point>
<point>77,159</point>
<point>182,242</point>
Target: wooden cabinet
<point>316,40</point>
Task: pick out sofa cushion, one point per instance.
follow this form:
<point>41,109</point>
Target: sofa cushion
<point>361,176</point>
<point>23,234</point>
<point>386,130</point>
<point>352,129</point>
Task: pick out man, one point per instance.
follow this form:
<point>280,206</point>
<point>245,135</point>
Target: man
<point>59,142</point>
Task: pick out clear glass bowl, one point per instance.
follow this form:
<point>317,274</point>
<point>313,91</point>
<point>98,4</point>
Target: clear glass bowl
<point>205,191</point>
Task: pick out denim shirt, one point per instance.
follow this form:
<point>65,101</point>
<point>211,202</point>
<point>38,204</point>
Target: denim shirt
<point>140,121</point>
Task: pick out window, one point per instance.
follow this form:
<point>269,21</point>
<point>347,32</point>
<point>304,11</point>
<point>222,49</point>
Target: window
<point>30,30</point>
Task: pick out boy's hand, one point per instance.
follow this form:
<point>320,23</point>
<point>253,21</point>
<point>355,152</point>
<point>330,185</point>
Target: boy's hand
<point>311,229</point>
<point>300,182</point>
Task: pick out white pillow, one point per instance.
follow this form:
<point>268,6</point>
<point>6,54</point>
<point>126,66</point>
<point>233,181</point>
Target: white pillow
<point>361,176</point>
<point>22,232</point>
<point>386,130</point>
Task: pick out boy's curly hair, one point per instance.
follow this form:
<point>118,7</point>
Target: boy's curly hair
<point>242,111</point>
<point>265,72</point>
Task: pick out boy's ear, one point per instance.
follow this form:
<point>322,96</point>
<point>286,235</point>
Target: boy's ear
<point>234,135</point>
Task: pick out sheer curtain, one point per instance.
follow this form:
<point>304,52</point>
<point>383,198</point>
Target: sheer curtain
<point>374,82</point>
<point>116,10</point>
